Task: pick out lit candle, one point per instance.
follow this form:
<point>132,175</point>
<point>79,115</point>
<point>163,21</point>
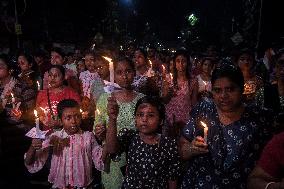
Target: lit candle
<point>37,124</point>
<point>98,113</point>
<point>205,131</point>
<point>38,85</point>
<point>111,70</point>
<point>13,100</point>
<point>163,69</point>
<point>205,85</point>
<point>151,65</point>
<point>81,111</point>
<point>172,78</point>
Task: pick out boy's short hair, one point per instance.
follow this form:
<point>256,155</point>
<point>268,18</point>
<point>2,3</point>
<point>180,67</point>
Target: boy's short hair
<point>66,103</point>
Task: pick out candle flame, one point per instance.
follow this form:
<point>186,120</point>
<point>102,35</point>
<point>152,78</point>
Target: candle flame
<point>203,124</point>
<point>42,108</point>
<point>150,63</point>
<point>98,111</point>
<point>171,76</point>
<point>12,95</point>
<point>35,113</point>
<point>81,111</point>
<point>163,67</point>
<point>107,58</point>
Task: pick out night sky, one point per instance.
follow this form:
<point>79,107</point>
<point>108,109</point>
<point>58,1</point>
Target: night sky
<point>77,21</point>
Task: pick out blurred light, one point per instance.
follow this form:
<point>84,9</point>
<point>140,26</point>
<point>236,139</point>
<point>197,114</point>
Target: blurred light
<point>192,19</point>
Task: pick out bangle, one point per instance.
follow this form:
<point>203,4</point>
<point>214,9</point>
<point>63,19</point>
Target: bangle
<point>268,184</point>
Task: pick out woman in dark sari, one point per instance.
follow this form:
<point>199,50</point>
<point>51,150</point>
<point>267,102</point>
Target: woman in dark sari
<point>236,135</point>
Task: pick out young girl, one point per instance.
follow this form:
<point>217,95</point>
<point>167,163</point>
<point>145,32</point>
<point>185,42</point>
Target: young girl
<point>204,78</point>
<point>73,151</point>
<point>153,160</point>
<point>127,98</point>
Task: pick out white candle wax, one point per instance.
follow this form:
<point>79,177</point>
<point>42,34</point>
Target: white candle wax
<point>205,131</point>
<point>13,100</point>
<point>111,70</point>
<point>38,85</point>
<point>37,123</point>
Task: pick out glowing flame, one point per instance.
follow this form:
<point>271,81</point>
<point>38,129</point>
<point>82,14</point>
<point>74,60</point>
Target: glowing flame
<point>35,113</point>
<point>203,124</point>
<point>81,111</point>
<point>98,111</point>
<point>107,58</point>
<point>12,95</point>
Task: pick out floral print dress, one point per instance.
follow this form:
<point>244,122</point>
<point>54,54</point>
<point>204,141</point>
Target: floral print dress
<point>233,149</point>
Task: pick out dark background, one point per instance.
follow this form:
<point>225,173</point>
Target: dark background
<point>77,22</point>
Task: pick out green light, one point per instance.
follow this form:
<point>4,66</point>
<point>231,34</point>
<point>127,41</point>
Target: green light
<point>192,19</point>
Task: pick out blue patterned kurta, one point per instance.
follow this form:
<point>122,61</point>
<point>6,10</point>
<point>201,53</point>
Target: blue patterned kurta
<point>233,149</point>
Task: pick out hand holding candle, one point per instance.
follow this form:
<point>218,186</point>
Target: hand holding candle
<point>205,131</point>
<point>37,124</point>
<point>38,85</point>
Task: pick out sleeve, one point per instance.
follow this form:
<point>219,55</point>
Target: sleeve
<point>124,139</point>
<point>174,162</point>
<point>102,107</point>
<point>97,152</point>
<point>270,158</point>
<point>41,157</point>
<point>201,112</point>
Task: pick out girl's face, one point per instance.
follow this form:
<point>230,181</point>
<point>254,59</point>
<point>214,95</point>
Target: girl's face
<point>181,63</point>
<point>245,62</point>
<point>55,78</point>
<point>139,59</point>
<point>24,64</point>
<point>147,119</point>
<point>226,94</point>
<point>4,72</point>
<point>207,67</point>
<point>124,75</point>
<point>56,59</point>
<point>90,63</point>
<point>71,120</point>
<point>81,66</point>
<point>102,69</point>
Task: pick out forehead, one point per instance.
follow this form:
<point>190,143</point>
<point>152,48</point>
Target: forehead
<point>223,82</point>
<point>53,53</point>
<point>122,65</point>
<point>146,106</point>
<point>54,71</point>
<point>2,63</point>
<point>70,111</point>
<point>89,56</point>
<point>180,57</point>
<point>247,56</point>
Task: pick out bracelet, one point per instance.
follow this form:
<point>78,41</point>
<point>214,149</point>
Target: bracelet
<point>268,184</point>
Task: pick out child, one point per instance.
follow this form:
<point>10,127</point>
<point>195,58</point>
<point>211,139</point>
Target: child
<point>204,78</point>
<point>153,160</point>
<point>73,151</point>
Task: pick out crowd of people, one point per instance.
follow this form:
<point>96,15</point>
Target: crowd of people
<point>110,119</point>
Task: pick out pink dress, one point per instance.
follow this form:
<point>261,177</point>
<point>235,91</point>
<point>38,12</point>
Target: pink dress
<point>74,165</point>
<point>181,104</point>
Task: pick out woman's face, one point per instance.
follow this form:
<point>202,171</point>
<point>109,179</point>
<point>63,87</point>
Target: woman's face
<point>147,119</point>
<point>245,62</point>
<point>124,75</point>
<point>56,59</point>
<point>55,78</point>
<point>4,72</point>
<point>226,94</point>
<point>102,69</point>
<point>181,63</point>
<point>24,64</point>
<point>139,59</point>
<point>207,67</point>
<point>90,63</point>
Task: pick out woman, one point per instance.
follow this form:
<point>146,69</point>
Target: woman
<point>16,117</point>
<point>252,82</point>
<point>28,74</point>
<point>272,95</point>
<point>226,154</point>
<point>185,90</point>
<point>127,98</point>
<point>145,80</point>
<point>47,100</point>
